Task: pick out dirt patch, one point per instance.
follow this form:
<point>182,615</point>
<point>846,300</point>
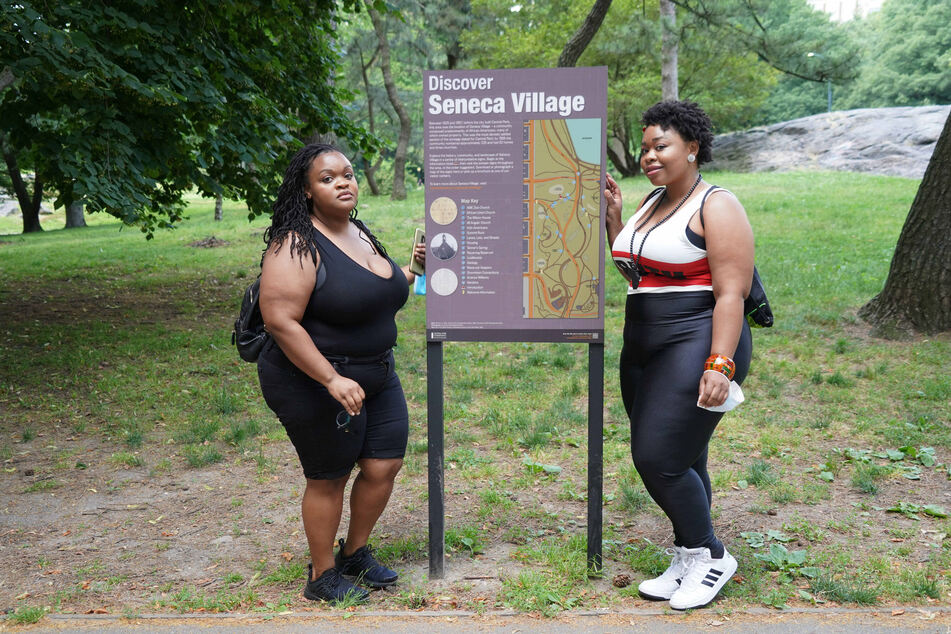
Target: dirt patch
<point>210,242</point>
<point>127,540</point>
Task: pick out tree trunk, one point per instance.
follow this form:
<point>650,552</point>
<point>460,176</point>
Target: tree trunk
<point>29,207</point>
<point>668,51</point>
<point>218,204</point>
<point>619,150</point>
<point>402,144</point>
<point>585,33</point>
<point>370,169</point>
<point>74,215</point>
<point>917,293</point>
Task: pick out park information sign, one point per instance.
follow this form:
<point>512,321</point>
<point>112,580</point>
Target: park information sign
<point>514,205</point>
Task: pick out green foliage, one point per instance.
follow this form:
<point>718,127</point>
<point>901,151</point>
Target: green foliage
<point>27,615</point>
<point>783,34</point>
<point>788,562</point>
<point>467,539</point>
<point>907,57</point>
<point>531,35</point>
<point>903,59</point>
<point>127,105</point>
<point>844,591</point>
<point>286,573</point>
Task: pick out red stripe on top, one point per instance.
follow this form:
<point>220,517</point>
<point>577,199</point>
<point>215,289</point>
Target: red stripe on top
<point>659,274</point>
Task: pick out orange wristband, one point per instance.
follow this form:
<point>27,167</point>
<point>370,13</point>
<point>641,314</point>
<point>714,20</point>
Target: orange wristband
<point>719,363</point>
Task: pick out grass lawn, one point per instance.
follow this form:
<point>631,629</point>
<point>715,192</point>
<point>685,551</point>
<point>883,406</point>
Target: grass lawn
<point>143,472</point>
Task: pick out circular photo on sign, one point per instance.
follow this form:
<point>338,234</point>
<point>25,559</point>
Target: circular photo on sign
<point>443,210</point>
<point>444,282</point>
<point>443,246</point>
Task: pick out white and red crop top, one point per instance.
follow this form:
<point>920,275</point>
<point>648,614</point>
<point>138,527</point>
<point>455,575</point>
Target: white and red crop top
<point>675,257</point>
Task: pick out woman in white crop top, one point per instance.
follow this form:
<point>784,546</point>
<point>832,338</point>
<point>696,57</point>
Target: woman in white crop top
<point>687,255</point>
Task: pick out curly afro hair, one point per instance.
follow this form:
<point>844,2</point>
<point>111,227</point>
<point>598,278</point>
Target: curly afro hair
<point>688,119</point>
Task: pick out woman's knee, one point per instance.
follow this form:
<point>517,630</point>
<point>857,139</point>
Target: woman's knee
<point>380,470</point>
<point>323,487</point>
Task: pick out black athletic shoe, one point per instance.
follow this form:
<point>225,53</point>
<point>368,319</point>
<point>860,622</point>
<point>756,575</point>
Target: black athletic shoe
<point>364,567</point>
<point>331,586</point>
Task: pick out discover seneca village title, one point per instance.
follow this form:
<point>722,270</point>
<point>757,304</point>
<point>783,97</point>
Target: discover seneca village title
<point>514,175</point>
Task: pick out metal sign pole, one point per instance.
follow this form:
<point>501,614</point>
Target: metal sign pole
<point>434,415</point>
<point>595,453</point>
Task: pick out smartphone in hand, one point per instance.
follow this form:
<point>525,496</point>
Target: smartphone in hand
<point>414,266</point>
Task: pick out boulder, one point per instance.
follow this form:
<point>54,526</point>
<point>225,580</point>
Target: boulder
<point>892,141</point>
<point>10,207</point>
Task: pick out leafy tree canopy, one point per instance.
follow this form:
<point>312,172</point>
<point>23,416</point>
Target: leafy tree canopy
<point>907,56</point>
<point>791,36</point>
<point>128,104</point>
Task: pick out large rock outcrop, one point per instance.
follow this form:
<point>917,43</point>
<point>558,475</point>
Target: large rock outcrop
<point>894,141</point>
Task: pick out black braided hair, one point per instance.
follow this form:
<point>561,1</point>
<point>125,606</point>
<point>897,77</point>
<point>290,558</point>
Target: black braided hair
<point>291,210</point>
<point>688,119</point>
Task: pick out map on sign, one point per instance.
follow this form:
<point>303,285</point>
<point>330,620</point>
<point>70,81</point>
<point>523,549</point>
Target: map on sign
<point>561,225</point>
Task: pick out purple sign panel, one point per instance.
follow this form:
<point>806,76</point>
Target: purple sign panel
<point>514,207</point>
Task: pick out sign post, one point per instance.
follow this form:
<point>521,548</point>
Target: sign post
<point>515,165</point>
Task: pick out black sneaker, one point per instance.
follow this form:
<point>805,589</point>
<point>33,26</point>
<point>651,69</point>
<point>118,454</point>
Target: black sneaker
<point>364,567</point>
<point>331,586</point>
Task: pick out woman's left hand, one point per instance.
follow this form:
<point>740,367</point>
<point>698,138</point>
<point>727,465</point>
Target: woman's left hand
<point>419,254</point>
<point>714,388</point>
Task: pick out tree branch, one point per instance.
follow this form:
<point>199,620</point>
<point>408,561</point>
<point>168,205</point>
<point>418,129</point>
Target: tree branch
<point>585,33</point>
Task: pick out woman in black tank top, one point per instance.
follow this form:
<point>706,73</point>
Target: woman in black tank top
<point>329,296</point>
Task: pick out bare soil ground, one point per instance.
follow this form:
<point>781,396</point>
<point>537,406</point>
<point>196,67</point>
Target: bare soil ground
<point>122,541</point>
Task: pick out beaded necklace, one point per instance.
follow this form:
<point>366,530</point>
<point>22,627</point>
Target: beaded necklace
<point>635,269</point>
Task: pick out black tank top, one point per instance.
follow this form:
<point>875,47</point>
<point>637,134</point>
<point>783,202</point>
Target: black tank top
<point>352,310</point>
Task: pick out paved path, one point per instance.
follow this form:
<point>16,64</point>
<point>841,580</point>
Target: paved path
<point>758,621</point>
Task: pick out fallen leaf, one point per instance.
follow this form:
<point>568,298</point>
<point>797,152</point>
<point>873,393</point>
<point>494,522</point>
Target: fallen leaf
<point>22,596</point>
<point>897,612</point>
<point>287,556</point>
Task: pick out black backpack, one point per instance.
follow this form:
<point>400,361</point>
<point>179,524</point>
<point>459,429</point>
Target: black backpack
<point>249,334</point>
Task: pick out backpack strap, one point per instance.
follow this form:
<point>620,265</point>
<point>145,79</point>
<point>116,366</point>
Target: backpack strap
<point>712,189</point>
<point>321,269</point>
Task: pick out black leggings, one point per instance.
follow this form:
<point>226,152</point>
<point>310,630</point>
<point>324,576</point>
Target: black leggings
<point>666,340</point>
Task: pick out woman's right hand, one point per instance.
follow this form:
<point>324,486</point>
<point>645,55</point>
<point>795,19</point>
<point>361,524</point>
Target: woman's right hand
<point>347,392</point>
<point>612,196</point>
<point>612,216</point>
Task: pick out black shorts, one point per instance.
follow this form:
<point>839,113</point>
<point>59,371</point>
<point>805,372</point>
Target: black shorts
<point>309,413</point>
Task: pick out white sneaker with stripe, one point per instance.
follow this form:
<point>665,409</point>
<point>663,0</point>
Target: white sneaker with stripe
<point>663,587</point>
<point>704,577</point>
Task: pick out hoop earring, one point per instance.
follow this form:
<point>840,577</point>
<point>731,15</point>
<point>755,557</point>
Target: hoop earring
<point>691,157</point>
